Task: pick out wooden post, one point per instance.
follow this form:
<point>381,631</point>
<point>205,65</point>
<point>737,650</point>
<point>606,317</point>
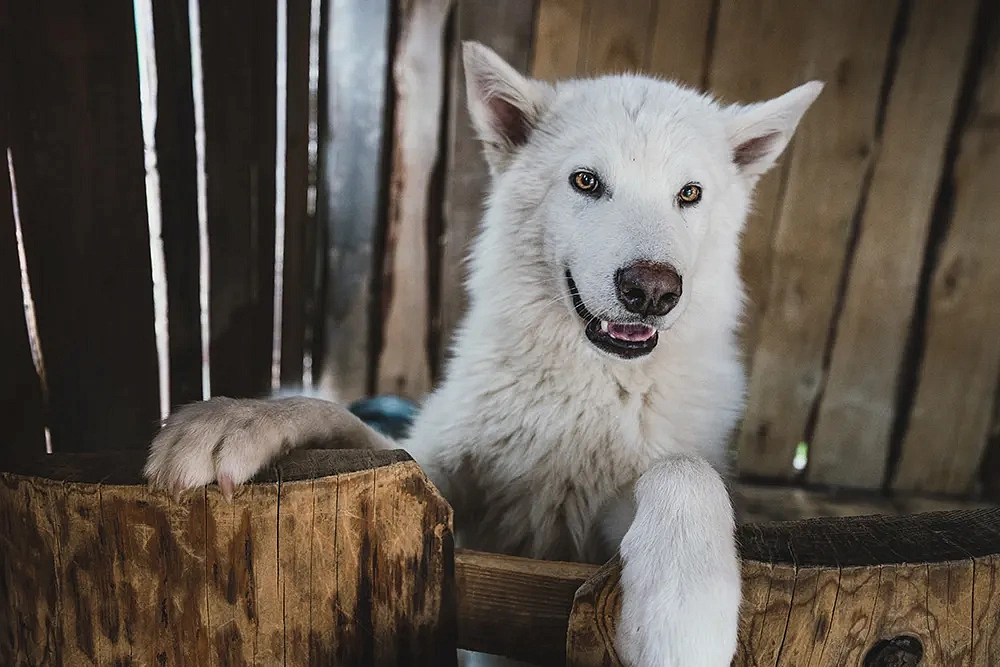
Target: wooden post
<point>331,558</point>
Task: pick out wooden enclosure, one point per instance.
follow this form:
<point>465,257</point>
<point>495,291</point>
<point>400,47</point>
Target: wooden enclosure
<point>347,558</point>
<point>226,198</point>
<point>309,221</point>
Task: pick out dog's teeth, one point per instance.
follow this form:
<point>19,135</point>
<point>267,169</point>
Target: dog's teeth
<point>604,326</point>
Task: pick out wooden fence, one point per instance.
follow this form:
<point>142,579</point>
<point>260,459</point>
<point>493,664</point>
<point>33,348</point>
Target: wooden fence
<point>342,176</point>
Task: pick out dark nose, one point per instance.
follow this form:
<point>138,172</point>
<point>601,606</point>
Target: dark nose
<point>648,288</point>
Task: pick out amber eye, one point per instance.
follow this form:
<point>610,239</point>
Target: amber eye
<point>585,181</point>
<point>689,194</point>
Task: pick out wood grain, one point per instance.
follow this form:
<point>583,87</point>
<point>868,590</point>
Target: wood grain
<point>953,405</point>
<point>177,163</point>
<point>759,53</point>
<point>240,79</point>
<point>345,566</point>
<point>76,139</point>
<point>354,57</point>
<point>298,293</point>
<point>850,445</point>
<point>681,48</point>
<point>848,47</point>
<point>507,28</point>
<point>558,40</point>
<point>404,366</point>
<point>832,592</point>
<point>617,41</point>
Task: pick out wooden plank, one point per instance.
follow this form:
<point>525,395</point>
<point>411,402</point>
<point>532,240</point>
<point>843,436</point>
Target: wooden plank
<point>617,41</point>
<point>506,27</point>
<point>953,403</point>
<point>21,401</point>
<point>122,575</point>
<point>238,60</point>
<point>558,39</point>
<point>78,157</point>
<point>680,48</point>
<point>848,47</point>
<point>759,53</point>
<point>531,596</point>
<point>355,58</point>
<point>834,592</point>
<point>850,445</point>
<point>177,163</point>
<point>300,252</point>
<point>404,366</point>
<point>21,404</point>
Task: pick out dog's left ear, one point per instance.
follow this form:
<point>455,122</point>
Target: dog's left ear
<point>758,133</point>
<point>505,106</point>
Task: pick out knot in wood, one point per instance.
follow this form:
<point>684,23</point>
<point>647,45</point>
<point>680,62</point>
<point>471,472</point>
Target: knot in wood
<point>901,651</point>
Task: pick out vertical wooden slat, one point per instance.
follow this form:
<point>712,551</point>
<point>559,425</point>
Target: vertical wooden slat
<point>78,155</point>
<point>681,33</point>
<point>507,28</point>
<point>851,443</point>
<point>238,49</point>
<point>404,366</point>
<point>20,391</point>
<point>953,406</point>
<point>617,41</point>
<point>847,45</point>
<point>351,174</point>
<point>760,53</point>
<point>175,148</point>
<point>558,38</point>
<point>300,249</point>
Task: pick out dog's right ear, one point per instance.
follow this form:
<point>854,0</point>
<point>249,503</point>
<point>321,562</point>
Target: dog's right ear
<point>505,106</point>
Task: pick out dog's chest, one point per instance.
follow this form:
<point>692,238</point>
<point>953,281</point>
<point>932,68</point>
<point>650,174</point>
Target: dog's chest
<point>543,484</point>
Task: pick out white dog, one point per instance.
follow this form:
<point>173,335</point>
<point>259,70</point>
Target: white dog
<point>596,378</point>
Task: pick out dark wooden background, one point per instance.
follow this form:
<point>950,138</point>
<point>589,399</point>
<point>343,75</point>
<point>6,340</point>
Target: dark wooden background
<point>873,332</point>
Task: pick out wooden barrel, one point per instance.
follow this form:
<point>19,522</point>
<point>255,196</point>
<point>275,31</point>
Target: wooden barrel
<point>347,558</point>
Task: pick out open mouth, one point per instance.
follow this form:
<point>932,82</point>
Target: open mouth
<point>628,340</point>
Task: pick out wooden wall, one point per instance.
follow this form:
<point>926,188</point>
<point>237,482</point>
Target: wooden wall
<point>873,329</point>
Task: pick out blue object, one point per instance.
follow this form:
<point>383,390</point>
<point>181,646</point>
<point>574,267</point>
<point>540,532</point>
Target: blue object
<point>390,415</point>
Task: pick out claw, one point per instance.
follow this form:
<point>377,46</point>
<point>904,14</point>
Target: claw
<point>227,486</point>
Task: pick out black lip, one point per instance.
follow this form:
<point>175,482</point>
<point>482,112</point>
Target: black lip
<point>602,341</point>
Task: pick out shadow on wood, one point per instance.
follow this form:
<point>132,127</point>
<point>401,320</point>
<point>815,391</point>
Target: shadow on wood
<point>346,558</point>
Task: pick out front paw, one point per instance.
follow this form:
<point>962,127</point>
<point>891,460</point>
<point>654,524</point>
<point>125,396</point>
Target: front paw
<point>221,439</point>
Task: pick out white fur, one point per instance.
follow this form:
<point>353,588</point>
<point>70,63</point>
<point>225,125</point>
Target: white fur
<point>546,446</point>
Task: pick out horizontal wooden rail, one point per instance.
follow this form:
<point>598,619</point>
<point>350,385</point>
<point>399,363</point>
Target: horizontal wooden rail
<point>346,558</point>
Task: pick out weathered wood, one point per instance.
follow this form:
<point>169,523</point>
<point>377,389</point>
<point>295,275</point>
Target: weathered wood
<point>516,606</point>
<point>559,30</point>
<point>507,28</point>
<point>238,58</point>
<point>300,252</point>
<point>404,366</point>
<point>681,46</point>
<point>758,54</point>
<point>850,445</point>
<point>953,405</point>
<point>828,592</point>
<point>21,405</point>
<point>763,504</point>
<point>329,558</point>
<point>76,139</point>
<point>847,44</point>
<point>617,41</point>
<point>354,58</point>
<point>177,163</point>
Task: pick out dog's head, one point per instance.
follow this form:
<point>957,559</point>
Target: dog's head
<point>620,180</point>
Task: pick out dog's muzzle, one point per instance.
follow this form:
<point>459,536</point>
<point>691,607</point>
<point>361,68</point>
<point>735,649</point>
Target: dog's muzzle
<point>628,340</point>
